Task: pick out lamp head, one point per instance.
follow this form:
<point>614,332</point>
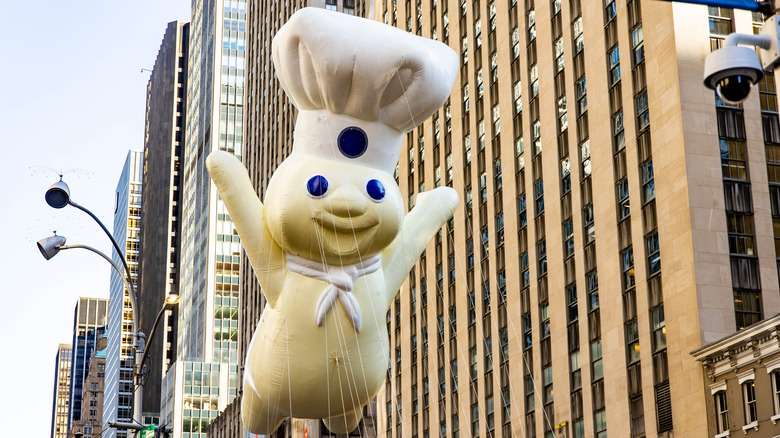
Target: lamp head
<point>51,245</point>
<point>58,195</point>
<point>171,300</point>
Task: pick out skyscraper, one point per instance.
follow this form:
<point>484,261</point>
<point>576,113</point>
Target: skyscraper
<point>118,392</point>
<point>567,292</point>
<point>160,231</point>
<point>90,424</point>
<point>89,323</point>
<point>59,410</point>
<point>207,334</point>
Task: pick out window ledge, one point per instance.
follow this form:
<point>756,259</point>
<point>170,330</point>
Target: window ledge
<point>723,434</point>
<point>775,418</point>
<point>753,425</point>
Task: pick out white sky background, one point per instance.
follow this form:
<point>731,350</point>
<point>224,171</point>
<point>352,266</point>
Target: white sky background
<point>72,96</point>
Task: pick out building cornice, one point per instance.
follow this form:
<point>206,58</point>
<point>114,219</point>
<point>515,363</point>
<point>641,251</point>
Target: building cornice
<point>740,349</point>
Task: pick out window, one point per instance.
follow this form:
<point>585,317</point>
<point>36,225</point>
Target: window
<point>529,394</point>
<point>531,25</point>
<point>537,133</point>
<point>568,239</point>
<point>632,341</point>
<point>534,77</point>
<point>496,120</point>
<point>515,38</point>
<point>473,363</point>
<point>659,329</point>
<point>733,159</point>
<point>480,87</point>
<point>588,225</point>
<point>653,254</point>
<point>521,213</point>
<point>610,11</point>
<point>481,133</point>
<point>571,302</point>
<point>773,162</point>
<point>749,397</point>
<point>582,96</point>
<point>624,209</point>
<point>519,149</point>
<point>592,278</point>
<point>539,196</point>
<point>774,376</point>
<point>595,355</point>
<point>579,41</point>
<point>721,409</point>
<point>585,158</point>
<point>499,229</point>
<point>576,371</point>
<point>720,21</point>
<point>642,113</point>
<point>563,118</point>
<point>330,5</point>
<point>618,135</point>
<point>493,68</point>
<point>544,319</point>
<point>475,419</point>
<point>627,268</point>
<point>648,181</point>
<point>489,413</point>
<point>558,51</point>
<point>541,252</point>
<point>565,175</point>
<point>518,92</point>
<point>614,63</point>
<point>638,44</point>
<point>478,33</point>
<point>466,98</point>
<point>527,341</point>
<point>547,381</point>
<point>747,308</point>
<point>525,276</point>
<point>740,228</point>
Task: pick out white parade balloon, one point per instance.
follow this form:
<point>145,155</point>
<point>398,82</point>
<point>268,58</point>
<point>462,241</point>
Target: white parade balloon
<point>330,244</point>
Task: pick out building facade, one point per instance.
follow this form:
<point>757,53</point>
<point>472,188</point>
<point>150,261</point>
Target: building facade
<point>89,323</point>
<point>59,410</point>
<point>118,393</point>
<point>639,193</point>
<point>207,332</point>
<point>160,230</point>
<point>742,381</point>
<point>90,424</point>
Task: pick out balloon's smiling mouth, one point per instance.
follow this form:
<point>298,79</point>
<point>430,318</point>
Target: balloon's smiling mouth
<point>345,225</point>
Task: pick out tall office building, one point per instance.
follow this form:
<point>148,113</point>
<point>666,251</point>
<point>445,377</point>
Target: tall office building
<point>207,333</point>
<point>160,231</point>
<point>564,297</point>
<point>59,410</point>
<point>118,392</point>
<point>90,423</point>
<point>89,323</point>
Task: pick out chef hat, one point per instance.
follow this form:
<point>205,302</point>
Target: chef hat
<point>359,84</point>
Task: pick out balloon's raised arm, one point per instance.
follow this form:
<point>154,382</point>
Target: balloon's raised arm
<point>246,210</point>
<point>433,209</point>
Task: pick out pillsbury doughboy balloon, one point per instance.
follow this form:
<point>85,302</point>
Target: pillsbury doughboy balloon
<point>330,243</point>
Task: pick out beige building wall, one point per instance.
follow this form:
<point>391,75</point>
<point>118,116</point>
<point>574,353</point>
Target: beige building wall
<point>688,213</point>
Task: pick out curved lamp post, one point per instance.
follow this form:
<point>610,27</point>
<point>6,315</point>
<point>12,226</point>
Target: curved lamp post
<point>58,196</point>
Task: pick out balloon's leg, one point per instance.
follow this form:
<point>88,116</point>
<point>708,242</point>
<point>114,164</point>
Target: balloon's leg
<point>258,416</point>
<point>345,423</point>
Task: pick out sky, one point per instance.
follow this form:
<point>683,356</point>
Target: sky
<point>72,97</point>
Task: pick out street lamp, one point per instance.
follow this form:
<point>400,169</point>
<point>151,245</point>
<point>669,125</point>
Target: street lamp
<point>58,196</point>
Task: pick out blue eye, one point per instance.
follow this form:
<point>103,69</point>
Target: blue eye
<point>375,190</point>
<point>353,142</point>
<point>317,186</point>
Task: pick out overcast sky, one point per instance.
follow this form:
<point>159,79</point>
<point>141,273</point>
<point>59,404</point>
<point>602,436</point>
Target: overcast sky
<point>72,98</point>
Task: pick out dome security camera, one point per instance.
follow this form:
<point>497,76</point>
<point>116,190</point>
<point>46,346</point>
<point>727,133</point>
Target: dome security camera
<point>732,71</point>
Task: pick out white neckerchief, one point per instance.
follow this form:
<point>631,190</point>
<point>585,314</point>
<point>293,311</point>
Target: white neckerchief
<point>340,281</point>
